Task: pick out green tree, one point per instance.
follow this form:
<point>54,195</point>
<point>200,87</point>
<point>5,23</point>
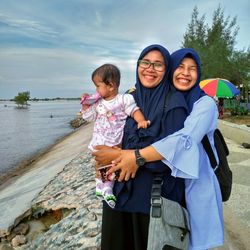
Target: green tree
<point>22,99</point>
<point>216,47</point>
<point>195,35</point>
<point>241,74</point>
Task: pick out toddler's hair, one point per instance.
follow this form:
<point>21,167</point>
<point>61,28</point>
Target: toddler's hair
<point>108,73</point>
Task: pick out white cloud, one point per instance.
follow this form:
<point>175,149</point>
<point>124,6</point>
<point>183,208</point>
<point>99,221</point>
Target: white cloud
<point>30,27</point>
<point>55,45</point>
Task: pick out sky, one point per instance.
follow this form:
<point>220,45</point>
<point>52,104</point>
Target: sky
<point>51,47</point>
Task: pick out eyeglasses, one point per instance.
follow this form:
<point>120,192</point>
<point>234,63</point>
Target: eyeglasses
<point>158,66</point>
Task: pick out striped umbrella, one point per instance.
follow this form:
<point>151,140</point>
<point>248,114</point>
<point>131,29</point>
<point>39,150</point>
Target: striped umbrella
<point>219,87</point>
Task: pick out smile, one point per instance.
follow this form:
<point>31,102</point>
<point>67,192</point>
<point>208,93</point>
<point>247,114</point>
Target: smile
<point>149,77</point>
<point>183,80</point>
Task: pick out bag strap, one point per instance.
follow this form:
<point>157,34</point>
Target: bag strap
<point>207,146</point>
<point>222,140</point>
<point>156,200</point>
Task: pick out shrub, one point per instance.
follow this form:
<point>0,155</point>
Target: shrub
<point>239,110</point>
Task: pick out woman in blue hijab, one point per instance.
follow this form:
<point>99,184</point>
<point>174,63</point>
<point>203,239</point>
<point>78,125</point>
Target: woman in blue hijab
<point>126,226</point>
<point>183,153</point>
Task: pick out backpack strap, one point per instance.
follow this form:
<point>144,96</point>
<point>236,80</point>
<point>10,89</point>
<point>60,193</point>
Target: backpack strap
<point>207,146</point>
<point>222,140</point>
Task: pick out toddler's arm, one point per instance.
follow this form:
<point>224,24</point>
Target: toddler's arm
<point>88,111</point>
<point>84,105</point>
<point>140,119</point>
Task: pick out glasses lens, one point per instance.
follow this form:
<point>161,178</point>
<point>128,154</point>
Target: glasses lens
<point>158,66</point>
<point>144,64</point>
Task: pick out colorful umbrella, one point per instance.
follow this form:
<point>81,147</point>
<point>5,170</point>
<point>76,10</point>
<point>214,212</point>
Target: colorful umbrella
<point>219,87</point>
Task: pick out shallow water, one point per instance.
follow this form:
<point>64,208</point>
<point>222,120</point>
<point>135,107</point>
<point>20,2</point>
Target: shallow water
<point>25,132</point>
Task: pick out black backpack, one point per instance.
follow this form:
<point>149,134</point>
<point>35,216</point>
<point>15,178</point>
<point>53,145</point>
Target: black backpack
<point>223,172</point>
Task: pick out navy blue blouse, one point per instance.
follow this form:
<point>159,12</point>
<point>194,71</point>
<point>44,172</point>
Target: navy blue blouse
<point>135,194</point>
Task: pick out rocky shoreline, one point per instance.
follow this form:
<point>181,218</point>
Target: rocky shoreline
<point>66,214</point>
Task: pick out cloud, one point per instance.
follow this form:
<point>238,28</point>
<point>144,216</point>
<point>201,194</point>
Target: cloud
<point>29,28</point>
<point>55,45</point>
<point>55,70</point>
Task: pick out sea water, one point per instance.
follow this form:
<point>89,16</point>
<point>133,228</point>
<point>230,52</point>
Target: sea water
<point>25,132</point>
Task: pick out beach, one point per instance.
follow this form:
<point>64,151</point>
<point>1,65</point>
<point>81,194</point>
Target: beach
<point>56,200</point>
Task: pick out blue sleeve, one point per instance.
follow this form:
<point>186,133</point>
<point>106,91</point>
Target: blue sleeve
<point>181,150</point>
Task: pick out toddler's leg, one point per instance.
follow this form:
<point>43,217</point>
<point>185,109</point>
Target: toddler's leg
<point>98,182</point>
<point>107,193</point>
<point>98,187</point>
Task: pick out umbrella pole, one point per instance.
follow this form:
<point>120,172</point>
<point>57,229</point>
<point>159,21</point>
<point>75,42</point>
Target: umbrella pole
<point>247,95</point>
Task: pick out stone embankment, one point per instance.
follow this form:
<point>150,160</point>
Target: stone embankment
<point>65,215</point>
<point>77,122</point>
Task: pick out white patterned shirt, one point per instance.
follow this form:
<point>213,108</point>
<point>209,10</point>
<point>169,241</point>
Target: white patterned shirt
<point>110,117</point>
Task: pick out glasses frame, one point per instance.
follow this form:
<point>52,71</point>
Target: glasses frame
<point>151,63</point>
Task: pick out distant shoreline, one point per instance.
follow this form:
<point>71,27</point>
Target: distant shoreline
<point>27,164</point>
<point>45,99</point>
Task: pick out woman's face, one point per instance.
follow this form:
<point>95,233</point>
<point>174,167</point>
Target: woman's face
<point>149,77</point>
<point>185,76</point>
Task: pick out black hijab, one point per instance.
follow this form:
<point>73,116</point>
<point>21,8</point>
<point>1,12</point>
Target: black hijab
<point>151,102</point>
<point>134,195</point>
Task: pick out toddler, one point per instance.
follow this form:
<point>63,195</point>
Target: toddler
<point>109,110</point>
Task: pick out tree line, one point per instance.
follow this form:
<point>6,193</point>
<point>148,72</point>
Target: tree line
<point>23,97</point>
<point>216,47</point>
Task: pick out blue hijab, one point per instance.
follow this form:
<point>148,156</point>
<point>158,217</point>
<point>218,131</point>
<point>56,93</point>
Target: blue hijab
<point>135,194</point>
<point>192,95</point>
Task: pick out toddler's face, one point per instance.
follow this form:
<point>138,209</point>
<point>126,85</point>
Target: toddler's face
<point>102,88</point>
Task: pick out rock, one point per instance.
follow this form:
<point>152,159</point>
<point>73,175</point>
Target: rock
<point>77,122</point>
<point>20,229</point>
<point>68,215</point>
<point>73,193</point>
<point>18,240</point>
<point>36,228</point>
<point>5,247</point>
<point>246,145</point>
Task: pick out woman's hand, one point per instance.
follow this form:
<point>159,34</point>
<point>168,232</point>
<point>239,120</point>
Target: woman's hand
<point>104,155</point>
<point>126,164</point>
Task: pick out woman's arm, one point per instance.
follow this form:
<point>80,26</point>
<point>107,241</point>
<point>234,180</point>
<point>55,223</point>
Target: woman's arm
<point>126,162</point>
<point>176,148</point>
<point>124,159</point>
<point>104,155</point>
